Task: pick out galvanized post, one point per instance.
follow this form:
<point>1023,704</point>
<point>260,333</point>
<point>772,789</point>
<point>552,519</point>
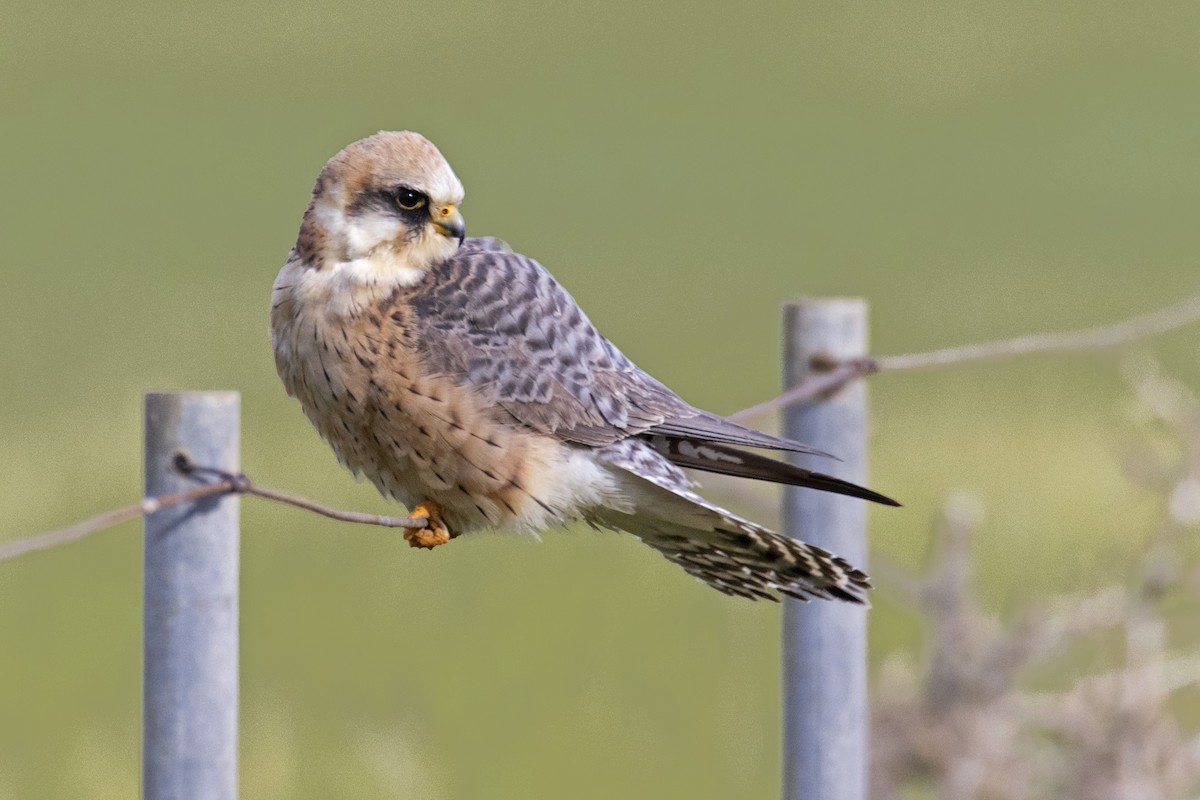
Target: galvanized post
<point>190,614</point>
<point>825,643</point>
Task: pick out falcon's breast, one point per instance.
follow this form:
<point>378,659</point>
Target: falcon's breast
<point>412,391</point>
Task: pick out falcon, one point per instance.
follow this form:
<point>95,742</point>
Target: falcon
<point>463,381</point>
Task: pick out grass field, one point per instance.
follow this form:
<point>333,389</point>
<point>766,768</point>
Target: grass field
<point>975,169</point>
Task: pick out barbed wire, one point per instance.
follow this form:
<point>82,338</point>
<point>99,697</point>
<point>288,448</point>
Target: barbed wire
<point>71,533</point>
<point>816,385</point>
<point>1095,338</point>
<point>243,485</point>
<point>225,483</point>
<point>822,383</point>
<point>1099,337</point>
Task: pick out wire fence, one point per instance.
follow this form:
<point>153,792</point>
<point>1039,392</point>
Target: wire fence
<point>827,378</point>
<point>191,639</point>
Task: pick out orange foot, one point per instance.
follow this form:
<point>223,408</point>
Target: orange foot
<point>435,531</point>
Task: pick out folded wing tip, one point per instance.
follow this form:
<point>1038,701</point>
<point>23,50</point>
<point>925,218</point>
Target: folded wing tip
<point>876,497</point>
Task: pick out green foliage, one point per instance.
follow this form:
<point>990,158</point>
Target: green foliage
<point>976,169</point>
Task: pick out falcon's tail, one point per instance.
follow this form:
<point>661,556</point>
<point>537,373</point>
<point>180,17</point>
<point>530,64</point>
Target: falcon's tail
<point>756,563</point>
<point>733,555</point>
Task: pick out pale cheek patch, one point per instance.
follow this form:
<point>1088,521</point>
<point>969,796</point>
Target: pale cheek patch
<point>328,213</point>
<point>369,232</point>
<point>370,256</point>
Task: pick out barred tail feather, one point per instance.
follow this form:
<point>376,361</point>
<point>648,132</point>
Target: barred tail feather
<point>760,564</point>
<point>733,555</point>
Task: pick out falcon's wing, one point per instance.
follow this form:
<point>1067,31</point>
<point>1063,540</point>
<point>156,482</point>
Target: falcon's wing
<point>498,322</point>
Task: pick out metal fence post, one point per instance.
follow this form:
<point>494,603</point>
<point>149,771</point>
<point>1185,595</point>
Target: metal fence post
<point>190,614</point>
<point>825,643</point>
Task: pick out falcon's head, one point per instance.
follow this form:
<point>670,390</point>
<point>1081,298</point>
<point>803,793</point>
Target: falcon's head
<point>383,211</point>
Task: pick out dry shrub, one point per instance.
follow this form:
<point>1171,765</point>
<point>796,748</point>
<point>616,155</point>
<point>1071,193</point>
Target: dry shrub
<point>970,726</point>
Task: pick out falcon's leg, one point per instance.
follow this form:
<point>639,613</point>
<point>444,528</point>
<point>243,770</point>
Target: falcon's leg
<point>435,531</point>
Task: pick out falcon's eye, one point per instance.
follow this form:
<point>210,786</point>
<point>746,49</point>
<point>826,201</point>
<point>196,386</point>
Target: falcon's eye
<point>409,199</point>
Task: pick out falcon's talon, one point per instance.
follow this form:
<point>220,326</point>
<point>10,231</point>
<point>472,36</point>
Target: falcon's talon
<point>435,531</point>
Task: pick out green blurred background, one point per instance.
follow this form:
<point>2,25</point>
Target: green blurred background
<point>976,169</point>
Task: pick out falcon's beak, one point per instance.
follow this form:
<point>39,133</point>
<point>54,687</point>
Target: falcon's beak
<point>448,221</point>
